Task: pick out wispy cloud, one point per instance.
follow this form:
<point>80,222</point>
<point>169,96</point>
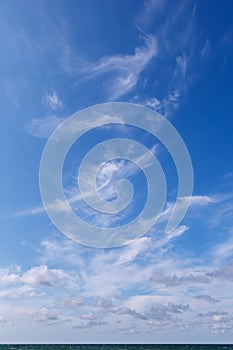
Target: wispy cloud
<point>151,9</point>
<point>108,176</point>
<point>43,127</point>
<point>224,250</point>
<point>180,48</point>
<point>53,100</point>
<point>206,298</point>
<point>126,69</point>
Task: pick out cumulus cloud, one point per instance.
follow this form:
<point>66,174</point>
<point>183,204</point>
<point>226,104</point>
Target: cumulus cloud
<point>91,316</point>
<point>174,280</point>
<point>72,302</point>
<point>103,303</point>
<point>36,277</point>
<point>157,313</point>
<point>225,273</point>
<point>42,276</point>
<point>50,317</point>
<point>128,311</point>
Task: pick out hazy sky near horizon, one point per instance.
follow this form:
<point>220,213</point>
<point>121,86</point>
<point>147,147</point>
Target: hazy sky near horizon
<point>173,57</point>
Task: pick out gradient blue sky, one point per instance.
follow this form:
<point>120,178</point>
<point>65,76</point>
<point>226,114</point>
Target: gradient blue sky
<point>58,57</point>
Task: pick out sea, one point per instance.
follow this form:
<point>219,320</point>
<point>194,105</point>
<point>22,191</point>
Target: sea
<point>114,347</point>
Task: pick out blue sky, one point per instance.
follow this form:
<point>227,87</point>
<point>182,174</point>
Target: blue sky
<point>173,57</point>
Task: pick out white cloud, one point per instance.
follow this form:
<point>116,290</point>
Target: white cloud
<point>36,277</point>
<point>205,51</point>
<point>42,276</point>
<point>103,303</point>
<point>202,200</point>
<point>224,273</point>
<point>207,298</point>
<point>156,306</point>
<point>151,102</point>
<point>176,91</point>
<point>72,302</point>
<point>223,214</point>
<point>91,316</point>
<point>24,291</point>
<point>53,100</point>
<point>68,252</point>
<point>109,174</point>
<point>144,283</point>
<point>177,232</point>
<point>50,317</point>
<point>180,48</point>
<point>130,252</point>
<point>137,283</point>
<point>43,127</point>
<point>127,68</point>
<point>175,280</point>
<point>224,250</point>
<point>90,324</point>
<point>152,9</point>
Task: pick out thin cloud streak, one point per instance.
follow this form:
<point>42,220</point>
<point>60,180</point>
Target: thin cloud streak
<point>127,68</point>
<point>43,127</point>
<point>178,47</point>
